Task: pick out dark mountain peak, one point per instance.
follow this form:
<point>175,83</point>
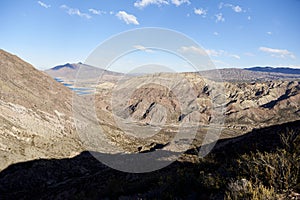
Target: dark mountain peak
<point>283,70</point>
<point>68,66</point>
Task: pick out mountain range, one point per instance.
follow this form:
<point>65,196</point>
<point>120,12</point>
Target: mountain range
<point>69,71</point>
<point>43,152</point>
<point>283,70</point>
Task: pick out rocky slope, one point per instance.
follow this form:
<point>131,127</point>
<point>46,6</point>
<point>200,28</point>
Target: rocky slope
<point>137,114</point>
<point>35,114</point>
<point>83,177</point>
<point>141,105</point>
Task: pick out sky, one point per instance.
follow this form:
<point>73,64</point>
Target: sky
<point>233,33</point>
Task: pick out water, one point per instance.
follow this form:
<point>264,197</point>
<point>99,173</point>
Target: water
<point>79,91</point>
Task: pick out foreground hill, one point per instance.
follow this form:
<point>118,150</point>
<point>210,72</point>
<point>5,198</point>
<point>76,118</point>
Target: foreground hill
<point>222,174</point>
<point>24,85</point>
<point>35,114</point>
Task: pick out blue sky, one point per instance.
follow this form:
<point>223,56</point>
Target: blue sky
<point>234,33</point>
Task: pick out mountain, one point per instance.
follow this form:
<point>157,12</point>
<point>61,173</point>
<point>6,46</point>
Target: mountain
<point>282,70</point>
<point>69,72</point>
<point>66,66</point>
<point>249,74</point>
<point>148,104</point>
<point>68,75</point>
<point>43,155</point>
<point>35,114</point>
<point>24,85</point>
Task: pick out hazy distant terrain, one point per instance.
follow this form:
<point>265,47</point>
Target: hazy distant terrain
<point>282,70</point>
<point>250,74</point>
<point>68,72</point>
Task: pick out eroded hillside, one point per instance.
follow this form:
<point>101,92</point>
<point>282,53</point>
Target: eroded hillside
<point>35,114</point>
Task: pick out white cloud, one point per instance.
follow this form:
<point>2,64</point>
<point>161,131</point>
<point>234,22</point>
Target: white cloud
<point>249,54</point>
<point>212,52</point>
<point>281,53</point>
<point>221,53</point>
<point>234,56</point>
<point>249,17</point>
<point>192,49</point>
<point>219,17</point>
<point>221,5</point>
<point>111,12</point>
<point>145,3</point>
<point>237,9</point>
<point>216,33</point>
<point>289,66</point>
<point>142,48</point>
<point>43,4</point>
<point>127,18</point>
<point>75,11</point>
<point>200,11</point>
<point>179,2</point>
<point>96,12</point>
<point>209,52</point>
<point>220,64</point>
<point>269,33</point>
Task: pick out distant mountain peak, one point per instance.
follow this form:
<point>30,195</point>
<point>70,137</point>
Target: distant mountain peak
<point>68,66</point>
<point>283,70</point>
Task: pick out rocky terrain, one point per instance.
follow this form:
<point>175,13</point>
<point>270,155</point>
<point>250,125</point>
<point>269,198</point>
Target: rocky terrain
<point>35,114</point>
<point>141,109</point>
<point>43,122</point>
<point>83,177</point>
<point>137,113</point>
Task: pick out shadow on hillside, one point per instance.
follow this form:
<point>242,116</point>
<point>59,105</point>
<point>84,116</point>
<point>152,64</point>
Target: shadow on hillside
<point>85,177</point>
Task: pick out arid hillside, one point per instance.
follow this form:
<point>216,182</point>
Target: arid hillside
<point>45,129</point>
<point>137,113</point>
<point>217,176</point>
<point>168,101</point>
<point>35,114</point>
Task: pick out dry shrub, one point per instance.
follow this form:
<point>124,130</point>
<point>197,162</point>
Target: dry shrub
<point>243,189</point>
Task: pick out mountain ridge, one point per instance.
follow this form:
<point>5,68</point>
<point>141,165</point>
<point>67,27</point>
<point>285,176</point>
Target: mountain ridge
<point>35,113</point>
<point>283,70</point>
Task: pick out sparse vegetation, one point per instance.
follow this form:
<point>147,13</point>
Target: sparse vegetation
<point>279,169</point>
<point>243,189</point>
<point>252,175</point>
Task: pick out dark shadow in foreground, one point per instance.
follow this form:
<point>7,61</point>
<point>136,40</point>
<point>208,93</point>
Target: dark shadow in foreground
<point>84,177</point>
